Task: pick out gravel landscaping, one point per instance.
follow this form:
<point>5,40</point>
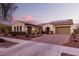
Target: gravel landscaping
<point>5,44</point>
<point>73,42</point>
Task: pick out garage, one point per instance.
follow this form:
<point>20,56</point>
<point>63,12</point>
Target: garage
<point>63,30</point>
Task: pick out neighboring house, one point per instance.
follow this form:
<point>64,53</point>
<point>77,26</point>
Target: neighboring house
<point>76,25</point>
<point>4,28</point>
<point>20,26</point>
<point>59,27</point>
<point>76,28</point>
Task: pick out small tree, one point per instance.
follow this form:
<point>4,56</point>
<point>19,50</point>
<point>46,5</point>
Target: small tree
<point>6,10</point>
<point>74,33</point>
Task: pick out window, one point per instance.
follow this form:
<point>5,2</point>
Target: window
<point>15,28</point>
<point>20,28</point>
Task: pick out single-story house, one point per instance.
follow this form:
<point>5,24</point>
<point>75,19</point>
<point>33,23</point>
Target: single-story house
<point>4,28</point>
<point>59,27</point>
<point>54,27</point>
<point>20,26</point>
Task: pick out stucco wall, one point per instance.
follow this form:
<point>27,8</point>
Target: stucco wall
<point>35,29</point>
<point>48,25</point>
<point>53,28</point>
<point>18,24</point>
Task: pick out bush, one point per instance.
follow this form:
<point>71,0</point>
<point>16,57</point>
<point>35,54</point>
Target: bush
<point>2,40</point>
<point>44,32</point>
<point>74,35</point>
<point>5,34</point>
<point>75,41</point>
<point>13,35</point>
<point>17,33</point>
<point>27,35</point>
<point>75,31</point>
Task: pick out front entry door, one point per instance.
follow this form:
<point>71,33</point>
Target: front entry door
<point>47,30</point>
<point>29,30</point>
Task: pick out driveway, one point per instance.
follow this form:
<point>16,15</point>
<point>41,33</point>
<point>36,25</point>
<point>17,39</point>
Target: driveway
<point>30,48</point>
<point>59,39</point>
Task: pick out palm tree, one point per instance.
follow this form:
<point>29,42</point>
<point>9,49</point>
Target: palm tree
<point>6,10</point>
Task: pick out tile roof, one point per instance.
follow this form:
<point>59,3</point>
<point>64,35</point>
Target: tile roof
<point>61,22</point>
<point>26,23</point>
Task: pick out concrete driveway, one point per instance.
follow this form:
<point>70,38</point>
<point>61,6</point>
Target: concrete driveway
<point>59,39</point>
<point>30,48</point>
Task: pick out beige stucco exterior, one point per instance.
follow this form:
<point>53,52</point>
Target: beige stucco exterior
<point>18,24</point>
<point>53,28</point>
<point>34,28</point>
<point>48,25</point>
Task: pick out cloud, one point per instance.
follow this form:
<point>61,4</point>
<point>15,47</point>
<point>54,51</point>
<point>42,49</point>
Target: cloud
<point>27,18</point>
<point>13,18</point>
<point>34,22</point>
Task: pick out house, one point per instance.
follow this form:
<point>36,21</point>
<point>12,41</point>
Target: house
<point>4,28</point>
<point>20,26</point>
<point>54,27</point>
<point>59,27</point>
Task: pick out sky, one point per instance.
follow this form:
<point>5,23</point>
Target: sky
<point>46,12</point>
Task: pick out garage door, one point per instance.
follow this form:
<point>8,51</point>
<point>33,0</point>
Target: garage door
<point>63,30</point>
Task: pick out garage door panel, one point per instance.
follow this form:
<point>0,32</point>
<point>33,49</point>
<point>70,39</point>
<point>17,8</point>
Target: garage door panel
<point>63,30</point>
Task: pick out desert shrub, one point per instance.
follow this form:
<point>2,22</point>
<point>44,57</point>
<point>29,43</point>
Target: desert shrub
<point>43,32</point>
<point>13,34</point>
<point>74,35</point>
<point>17,33</point>
<point>75,31</point>
<point>5,34</point>
<point>75,40</point>
<point>27,35</point>
<point>2,40</point>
